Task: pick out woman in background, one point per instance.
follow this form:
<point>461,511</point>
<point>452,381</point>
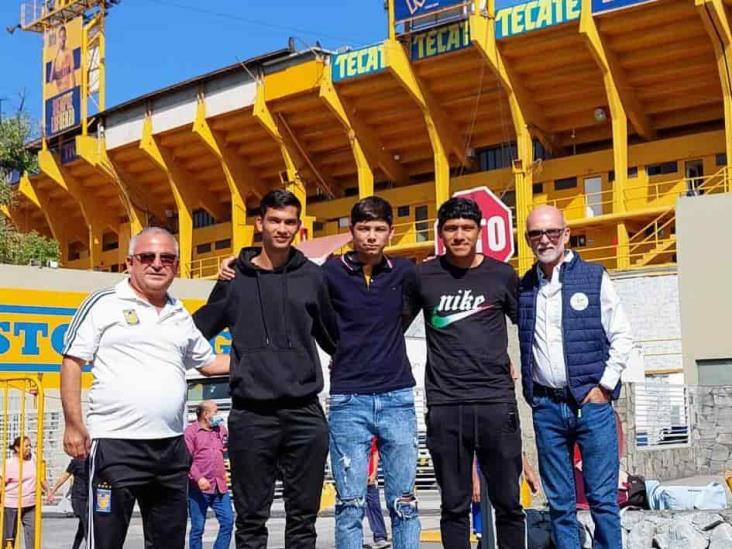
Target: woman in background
<point>26,488</point>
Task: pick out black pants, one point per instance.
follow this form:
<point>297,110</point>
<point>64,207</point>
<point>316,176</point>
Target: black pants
<point>263,440</point>
<point>455,433</point>
<point>81,511</point>
<point>152,472</point>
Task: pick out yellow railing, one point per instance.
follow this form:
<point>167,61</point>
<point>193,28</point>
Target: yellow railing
<point>640,196</point>
<point>207,267</point>
<point>20,390</point>
<point>413,232</point>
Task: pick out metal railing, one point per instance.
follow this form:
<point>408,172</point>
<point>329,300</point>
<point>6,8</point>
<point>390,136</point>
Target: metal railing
<point>207,267</point>
<point>22,419</point>
<point>413,232</point>
<point>662,417</point>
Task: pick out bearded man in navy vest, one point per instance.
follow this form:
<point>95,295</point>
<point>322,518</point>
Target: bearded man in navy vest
<point>575,342</point>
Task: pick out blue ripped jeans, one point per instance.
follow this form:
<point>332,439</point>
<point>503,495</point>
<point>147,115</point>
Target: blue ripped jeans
<point>354,419</point>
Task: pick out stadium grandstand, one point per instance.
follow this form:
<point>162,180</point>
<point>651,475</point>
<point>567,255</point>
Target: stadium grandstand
<point>609,109</point>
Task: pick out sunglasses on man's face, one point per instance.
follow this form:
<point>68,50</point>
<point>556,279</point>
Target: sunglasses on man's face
<point>552,234</point>
<point>148,258</point>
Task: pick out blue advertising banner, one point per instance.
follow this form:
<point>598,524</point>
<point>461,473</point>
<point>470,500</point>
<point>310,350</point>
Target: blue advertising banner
<point>63,111</point>
<point>356,63</point>
<point>441,40</point>
<point>407,9</point>
<point>600,6</point>
<point>513,18</point>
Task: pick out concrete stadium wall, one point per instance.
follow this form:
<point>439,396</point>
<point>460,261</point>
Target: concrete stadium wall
<point>704,229</point>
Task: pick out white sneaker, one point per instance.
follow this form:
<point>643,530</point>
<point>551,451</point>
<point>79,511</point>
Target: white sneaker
<point>381,544</point>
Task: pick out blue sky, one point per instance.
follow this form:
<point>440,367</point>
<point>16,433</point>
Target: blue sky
<point>155,43</point>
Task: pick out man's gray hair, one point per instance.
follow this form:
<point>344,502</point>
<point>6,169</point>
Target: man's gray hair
<point>150,230</point>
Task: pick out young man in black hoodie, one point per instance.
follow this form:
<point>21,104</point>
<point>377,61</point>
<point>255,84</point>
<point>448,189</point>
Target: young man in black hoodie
<point>274,307</point>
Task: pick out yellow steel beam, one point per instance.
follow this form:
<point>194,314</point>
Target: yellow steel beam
<point>360,135</point>
<point>396,60</point>
<point>95,215</point>
<point>183,194</point>
<point>365,173</point>
<point>524,114</point>
<point>619,92</point>
<point>714,16</point>
<point>239,176</point>
<point>61,231</point>
<point>93,152</point>
<point>325,180</point>
<point>263,115</point>
<point>193,192</point>
<point>623,106</point>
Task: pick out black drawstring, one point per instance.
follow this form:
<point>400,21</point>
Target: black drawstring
<point>284,307</point>
<point>261,307</point>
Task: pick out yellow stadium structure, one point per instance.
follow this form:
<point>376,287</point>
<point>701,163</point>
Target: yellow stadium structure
<point>610,109</point>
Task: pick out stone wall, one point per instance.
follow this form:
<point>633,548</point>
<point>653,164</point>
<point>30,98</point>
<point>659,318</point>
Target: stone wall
<point>670,529</point>
<point>710,450</point>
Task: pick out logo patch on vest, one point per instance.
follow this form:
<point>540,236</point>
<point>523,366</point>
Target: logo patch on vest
<point>579,301</point>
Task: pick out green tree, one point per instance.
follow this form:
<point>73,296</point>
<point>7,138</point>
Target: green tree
<point>15,158</point>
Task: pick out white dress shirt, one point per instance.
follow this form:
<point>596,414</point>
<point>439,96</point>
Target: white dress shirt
<point>549,366</point>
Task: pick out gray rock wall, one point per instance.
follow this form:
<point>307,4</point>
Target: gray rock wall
<point>710,448</point>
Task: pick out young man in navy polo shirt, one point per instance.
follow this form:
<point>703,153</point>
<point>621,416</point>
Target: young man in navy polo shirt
<point>371,378</point>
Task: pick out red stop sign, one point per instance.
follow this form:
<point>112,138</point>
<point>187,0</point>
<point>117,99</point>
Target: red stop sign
<point>496,235</point>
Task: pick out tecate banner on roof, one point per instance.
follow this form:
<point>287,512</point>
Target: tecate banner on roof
<point>513,18</point>
<point>408,9</point>
<point>359,62</point>
<point>599,6</point>
<point>441,40</point>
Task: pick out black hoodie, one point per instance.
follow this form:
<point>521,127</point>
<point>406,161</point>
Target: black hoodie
<point>273,317</point>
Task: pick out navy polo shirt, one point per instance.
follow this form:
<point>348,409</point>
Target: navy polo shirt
<point>371,356</point>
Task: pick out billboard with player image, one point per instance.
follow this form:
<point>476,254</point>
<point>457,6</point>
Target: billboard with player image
<point>62,76</point>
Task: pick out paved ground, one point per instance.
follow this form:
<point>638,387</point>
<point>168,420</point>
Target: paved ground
<point>58,533</point>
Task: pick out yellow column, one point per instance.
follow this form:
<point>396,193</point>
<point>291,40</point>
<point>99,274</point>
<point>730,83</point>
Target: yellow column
<point>92,151</point>
<point>55,223</point>
<point>588,29</point>
<point>714,16</point>
<point>93,212</point>
<point>363,169</point>
<point>483,35</point>
<point>395,59</point>
<point>149,145</point>
<point>239,178</point>
<point>295,184</point>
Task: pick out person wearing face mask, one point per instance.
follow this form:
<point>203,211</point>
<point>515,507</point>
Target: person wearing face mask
<point>206,439</point>
<point>575,342</point>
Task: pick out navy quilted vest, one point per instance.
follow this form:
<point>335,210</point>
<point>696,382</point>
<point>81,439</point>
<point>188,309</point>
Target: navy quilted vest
<point>586,348</point>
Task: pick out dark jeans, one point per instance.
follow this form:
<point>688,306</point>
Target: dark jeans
<point>153,473</point>
<point>374,514</point>
<point>455,433</point>
<point>263,439</point>
<point>558,426</point>
<point>81,511</point>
